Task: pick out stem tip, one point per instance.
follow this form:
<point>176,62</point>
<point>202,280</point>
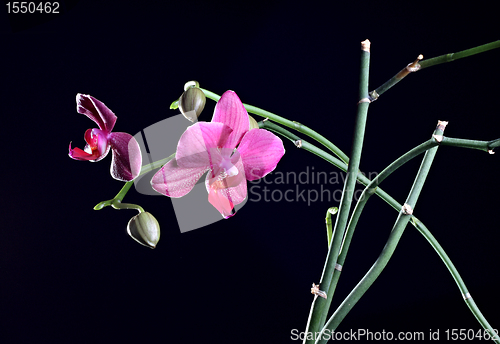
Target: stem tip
<point>365,45</point>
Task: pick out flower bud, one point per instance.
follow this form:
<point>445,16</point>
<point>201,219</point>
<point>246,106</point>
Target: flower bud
<point>192,102</point>
<point>253,123</point>
<point>144,229</point>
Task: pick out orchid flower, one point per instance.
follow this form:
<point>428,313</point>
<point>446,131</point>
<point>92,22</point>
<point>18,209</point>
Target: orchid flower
<point>126,163</point>
<point>228,150</point>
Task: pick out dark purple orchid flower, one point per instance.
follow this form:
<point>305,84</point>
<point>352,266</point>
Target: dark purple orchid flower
<point>127,159</point>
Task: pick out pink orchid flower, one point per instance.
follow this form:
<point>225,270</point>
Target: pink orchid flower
<point>127,159</point>
<point>228,150</point>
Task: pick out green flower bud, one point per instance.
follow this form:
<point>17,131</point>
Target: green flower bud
<point>253,123</point>
<point>144,229</point>
<point>192,102</point>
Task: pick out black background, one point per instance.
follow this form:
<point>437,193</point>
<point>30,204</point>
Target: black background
<point>71,274</point>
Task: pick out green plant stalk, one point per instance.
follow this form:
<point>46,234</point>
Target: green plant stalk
<point>281,120</point>
<point>456,276</point>
<point>329,229</point>
<point>115,202</point>
<point>412,67</point>
<point>429,63</point>
<point>473,144</point>
<point>494,143</point>
<point>328,221</point>
<point>398,229</point>
<point>320,306</point>
<point>461,54</point>
<point>367,192</point>
<point>298,142</point>
<point>119,205</point>
<point>419,225</point>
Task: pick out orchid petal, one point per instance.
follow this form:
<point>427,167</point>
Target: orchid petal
<point>175,181</point>
<point>198,145</point>
<point>127,159</point>
<point>260,151</point>
<point>230,111</point>
<point>225,193</point>
<point>96,111</point>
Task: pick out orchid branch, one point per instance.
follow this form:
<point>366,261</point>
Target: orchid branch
<point>373,187</point>
<point>396,233</point>
<point>461,54</point>
<point>116,202</point>
<point>283,121</point>
<point>417,65</point>
<point>320,306</point>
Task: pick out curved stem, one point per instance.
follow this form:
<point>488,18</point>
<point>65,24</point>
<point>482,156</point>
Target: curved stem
<point>119,205</point>
<point>485,146</point>
<point>417,65</point>
<point>328,220</point>
<point>363,199</point>
<point>291,124</point>
<point>115,202</point>
<point>321,306</point>
<point>461,54</point>
<point>393,203</point>
<point>118,198</point>
<point>456,276</point>
<point>397,231</point>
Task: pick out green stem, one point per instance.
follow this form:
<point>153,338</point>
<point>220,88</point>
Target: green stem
<point>320,306</point>
<point>371,188</point>
<point>298,142</point>
<point>456,276</point>
<point>118,198</point>
<point>398,229</point>
<point>494,143</point>
<point>328,220</point>
<point>473,144</point>
<point>419,65</point>
<point>392,202</point>
<point>278,119</point>
<point>119,205</point>
<point>363,199</point>
<point>461,54</point>
<point>412,67</point>
<point>115,202</point>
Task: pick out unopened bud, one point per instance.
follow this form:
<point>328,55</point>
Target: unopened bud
<point>144,229</point>
<point>192,102</point>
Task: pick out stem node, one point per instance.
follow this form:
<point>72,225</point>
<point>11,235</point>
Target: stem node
<point>438,138</point>
<point>316,292</point>
<point>407,209</point>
